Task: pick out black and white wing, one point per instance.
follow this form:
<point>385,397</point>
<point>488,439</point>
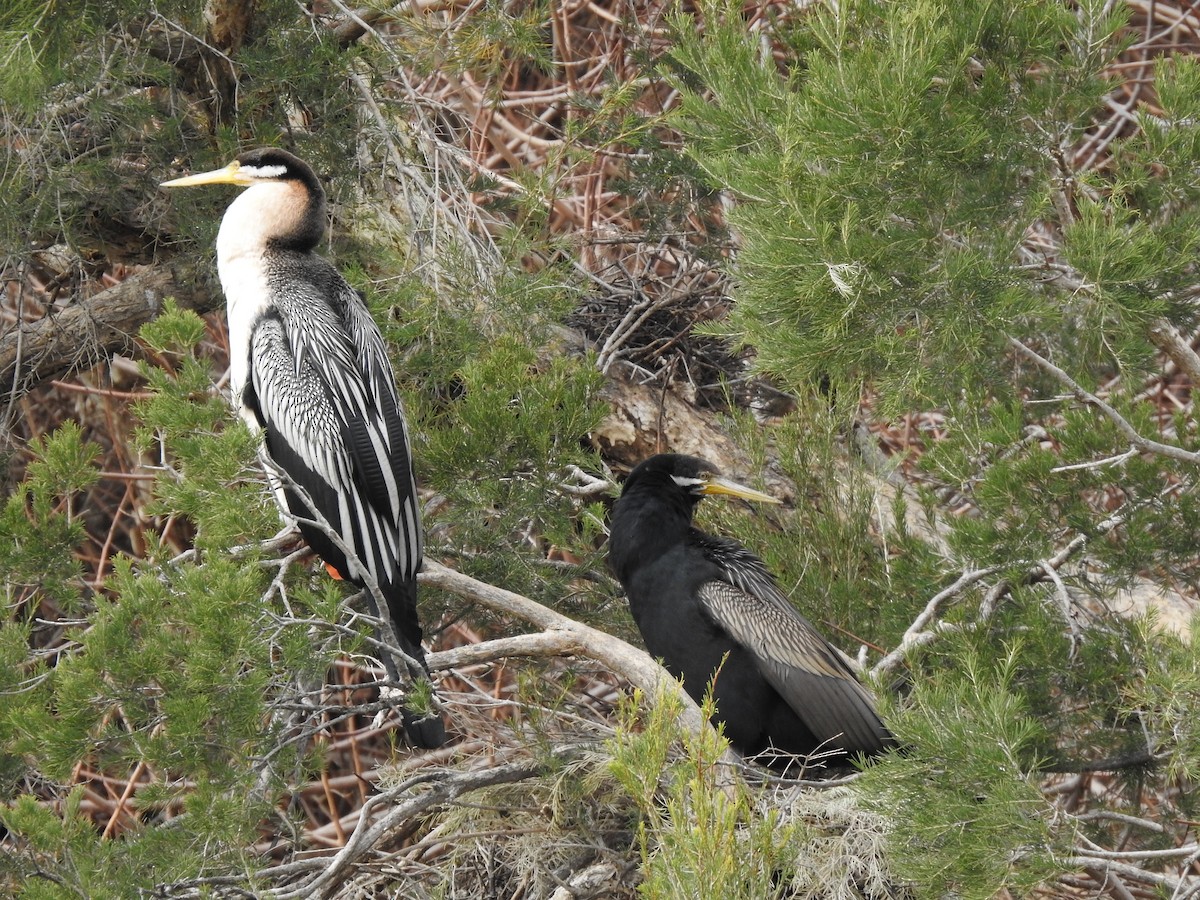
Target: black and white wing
<point>806,670</point>
<point>322,389</point>
<point>393,488</point>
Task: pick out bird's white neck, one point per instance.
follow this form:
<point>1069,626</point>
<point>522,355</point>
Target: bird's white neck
<point>256,216</point>
<point>264,218</point>
<point>272,210</point>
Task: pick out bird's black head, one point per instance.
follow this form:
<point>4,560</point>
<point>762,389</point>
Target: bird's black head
<point>654,511</point>
<point>283,208</point>
<point>687,478</point>
<point>274,164</point>
<point>673,474</point>
<point>262,166</point>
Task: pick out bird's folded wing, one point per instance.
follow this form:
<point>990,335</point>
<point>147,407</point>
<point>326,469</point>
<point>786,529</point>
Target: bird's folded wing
<point>304,408</point>
<point>801,665</point>
<point>292,403</point>
<point>378,436</point>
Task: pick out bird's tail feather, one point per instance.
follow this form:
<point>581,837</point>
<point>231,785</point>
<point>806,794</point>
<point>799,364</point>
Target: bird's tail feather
<point>427,730</point>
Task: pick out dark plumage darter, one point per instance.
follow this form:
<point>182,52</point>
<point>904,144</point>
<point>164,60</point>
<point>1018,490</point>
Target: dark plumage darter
<point>309,368</point>
<point>711,610</point>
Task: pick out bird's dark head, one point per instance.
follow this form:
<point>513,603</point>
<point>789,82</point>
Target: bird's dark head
<point>688,477</point>
<point>266,164</point>
<point>285,206</point>
<point>654,512</point>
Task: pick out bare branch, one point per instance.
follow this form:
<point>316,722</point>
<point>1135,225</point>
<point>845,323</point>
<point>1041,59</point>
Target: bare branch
<point>546,643</point>
<point>587,485</point>
<point>632,664</point>
<point>1168,853</point>
<point>401,804</point>
<point>1110,882</point>
<point>1099,869</point>
<point>1093,815</point>
<point>1097,463</point>
<point>1166,337</point>
<point>1084,396</point>
<point>100,326</point>
<point>917,635</point>
<point>1041,569</point>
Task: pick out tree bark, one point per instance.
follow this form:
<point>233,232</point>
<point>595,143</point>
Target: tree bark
<point>627,661</point>
<point>87,332</point>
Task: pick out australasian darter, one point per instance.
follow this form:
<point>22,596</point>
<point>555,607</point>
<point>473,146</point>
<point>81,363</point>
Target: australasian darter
<point>711,610</point>
<point>309,368</point>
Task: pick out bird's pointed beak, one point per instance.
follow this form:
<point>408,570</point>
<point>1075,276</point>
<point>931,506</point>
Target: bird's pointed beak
<point>230,174</point>
<point>733,489</point>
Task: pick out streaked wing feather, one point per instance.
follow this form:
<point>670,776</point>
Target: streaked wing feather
<point>394,481</point>
<point>306,436</point>
<point>807,671</point>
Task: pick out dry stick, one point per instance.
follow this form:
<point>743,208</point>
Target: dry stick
<point>444,788</point>
<point>1084,396</point>
<point>1123,818</point>
<point>1166,337</point>
<point>916,636</point>
<point>1109,882</point>
<point>1133,873</point>
<point>1168,853</point>
<point>120,807</point>
<point>632,664</point>
<point>88,330</point>
<point>546,643</point>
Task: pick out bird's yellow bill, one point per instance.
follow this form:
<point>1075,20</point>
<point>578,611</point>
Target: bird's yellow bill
<point>733,489</point>
<point>230,174</point>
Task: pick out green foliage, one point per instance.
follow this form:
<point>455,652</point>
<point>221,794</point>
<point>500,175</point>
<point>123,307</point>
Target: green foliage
<point>1006,466</point>
<point>211,461</point>
<point>886,181</point>
<point>36,38</point>
<point>1168,697</point>
<point>172,678</point>
<point>39,526</point>
<point>171,675</point>
<point>967,820</point>
<point>699,833</point>
<point>487,43</point>
<point>496,419</point>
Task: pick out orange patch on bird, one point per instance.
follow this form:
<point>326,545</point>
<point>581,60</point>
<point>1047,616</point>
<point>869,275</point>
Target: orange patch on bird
<point>334,573</point>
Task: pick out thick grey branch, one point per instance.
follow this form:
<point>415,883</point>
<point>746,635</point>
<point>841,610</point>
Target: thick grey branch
<point>1166,337</point>
<point>87,331</point>
<point>632,664</point>
<point>546,643</point>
